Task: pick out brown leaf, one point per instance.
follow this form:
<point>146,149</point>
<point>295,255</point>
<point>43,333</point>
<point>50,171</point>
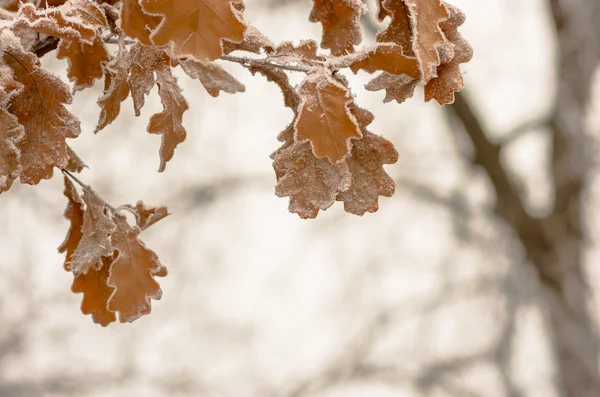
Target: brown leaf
<point>39,107</point>
<point>399,30</point>
<point>213,77</point>
<point>369,179</point>
<point>196,28</point>
<point>74,213</point>
<point>312,184</point>
<point>147,216</point>
<point>169,122</point>
<point>116,90</point>
<point>341,30</point>
<point>85,60</point>
<point>398,88</point>
<point>450,80</point>
<point>11,132</point>
<point>96,293</point>
<point>291,98</point>
<point>144,61</point>
<point>95,243</point>
<point>76,20</point>
<point>132,274</point>
<point>324,118</point>
<point>136,23</point>
<point>390,59</point>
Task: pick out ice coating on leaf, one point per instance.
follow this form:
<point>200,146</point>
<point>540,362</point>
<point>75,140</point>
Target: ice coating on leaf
<point>450,80</point>
<point>96,293</point>
<point>144,62</point>
<point>341,30</point>
<point>312,184</point>
<point>324,118</point>
<point>74,214</point>
<point>169,122</point>
<point>213,77</point>
<point>85,61</point>
<point>196,28</point>
<point>39,107</point>
<point>96,240</point>
<point>132,274</point>
<point>136,23</point>
<point>147,216</point>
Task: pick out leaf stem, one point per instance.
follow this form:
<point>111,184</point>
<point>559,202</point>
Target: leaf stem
<point>87,187</point>
<point>249,62</point>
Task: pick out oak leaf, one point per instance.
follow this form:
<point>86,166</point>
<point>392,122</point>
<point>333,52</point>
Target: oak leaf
<point>146,216</point>
<point>74,213</point>
<point>40,108</point>
<point>132,274</point>
<point>116,90</point>
<point>196,28</point>
<point>144,62</point>
<point>254,41</point>
<point>449,79</point>
<point>169,122</point>
<point>213,77</point>
<point>75,163</point>
<point>388,58</point>
<point>341,30</point>
<point>324,118</point>
<point>397,87</point>
<point>400,29</point>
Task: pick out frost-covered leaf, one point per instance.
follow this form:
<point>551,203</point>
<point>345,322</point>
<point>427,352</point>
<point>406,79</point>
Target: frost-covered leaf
<point>369,179</point>
<point>39,107</point>
<point>400,29</point>
<point>398,88</point>
<point>290,52</point>
<point>132,274</point>
<point>116,90</point>
<point>136,23</point>
<point>196,28</point>
<point>147,216</point>
<point>144,61</point>
<point>290,96</point>
<point>213,77</point>
<point>11,132</point>
<point>85,60</point>
<point>450,80</point>
<point>388,58</point>
<point>76,20</point>
<point>341,30</point>
<point>324,118</point>
<point>75,163</point>
<point>74,214</point>
<point>169,122</point>
<point>312,184</point>
<point>96,293</point>
<point>97,228</point>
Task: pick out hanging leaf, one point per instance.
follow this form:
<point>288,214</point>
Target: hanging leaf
<point>39,107</point>
<point>85,61</point>
<point>169,122</point>
<point>196,28</point>
<point>96,293</point>
<point>75,215</point>
<point>136,23</point>
<point>213,77</point>
<point>341,30</point>
<point>116,90</point>
<point>398,88</point>
<point>144,62</point>
<point>147,216</point>
<point>390,59</point>
<point>132,274</point>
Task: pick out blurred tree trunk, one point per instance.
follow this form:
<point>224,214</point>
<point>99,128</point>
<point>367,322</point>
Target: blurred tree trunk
<point>554,245</point>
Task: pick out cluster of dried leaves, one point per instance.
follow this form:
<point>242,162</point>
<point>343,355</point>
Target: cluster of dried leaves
<point>327,153</point>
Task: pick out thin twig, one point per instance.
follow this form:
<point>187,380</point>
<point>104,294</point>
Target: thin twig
<point>249,62</point>
<point>87,187</point>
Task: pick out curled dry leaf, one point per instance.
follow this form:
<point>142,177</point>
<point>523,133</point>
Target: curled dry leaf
<point>324,118</point>
<point>213,77</point>
<point>74,213</point>
<point>388,58</point>
<point>95,243</point>
<point>398,88</point>
<point>116,90</point>
<point>135,23</point>
<point>450,80</point>
<point>144,61</point>
<point>341,30</point>
<point>169,122</point>
<point>132,274</point>
<point>400,29</point>
<point>196,28</point>
<point>11,132</point>
<point>39,107</point>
